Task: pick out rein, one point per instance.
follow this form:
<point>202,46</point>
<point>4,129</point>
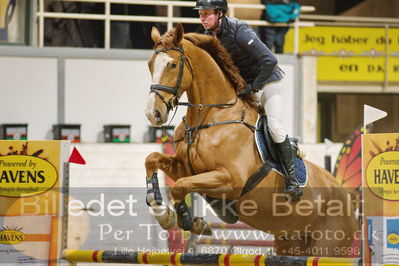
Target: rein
<point>175,91</point>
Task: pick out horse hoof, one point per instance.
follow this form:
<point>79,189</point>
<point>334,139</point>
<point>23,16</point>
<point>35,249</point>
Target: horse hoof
<point>206,231</point>
<point>201,227</point>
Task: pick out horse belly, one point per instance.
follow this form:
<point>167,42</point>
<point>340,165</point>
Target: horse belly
<point>231,147</point>
<point>318,213</point>
<point>270,212</point>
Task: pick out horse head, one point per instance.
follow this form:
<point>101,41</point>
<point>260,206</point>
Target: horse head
<point>171,75</point>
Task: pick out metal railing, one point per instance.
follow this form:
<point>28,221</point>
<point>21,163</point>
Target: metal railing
<point>169,19</point>
<point>305,20</point>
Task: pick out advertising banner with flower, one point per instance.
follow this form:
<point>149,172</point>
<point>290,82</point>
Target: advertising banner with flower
<point>381,198</point>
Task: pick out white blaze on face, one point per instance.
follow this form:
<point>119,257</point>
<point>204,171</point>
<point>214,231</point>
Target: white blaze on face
<point>160,64</point>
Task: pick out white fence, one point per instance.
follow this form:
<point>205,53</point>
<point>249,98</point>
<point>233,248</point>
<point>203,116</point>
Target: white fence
<point>305,20</point>
<point>170,17</point>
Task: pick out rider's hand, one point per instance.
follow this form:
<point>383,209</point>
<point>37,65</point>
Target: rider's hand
<point>247,90</point>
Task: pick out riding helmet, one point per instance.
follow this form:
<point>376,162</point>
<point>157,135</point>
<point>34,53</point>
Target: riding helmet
<point>211,4</point>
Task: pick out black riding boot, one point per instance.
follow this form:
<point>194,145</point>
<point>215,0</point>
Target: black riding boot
<point>287,156</point>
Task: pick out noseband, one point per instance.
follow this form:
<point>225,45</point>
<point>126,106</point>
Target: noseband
<point>173,90</point>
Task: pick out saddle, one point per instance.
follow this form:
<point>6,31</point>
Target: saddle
<point>268,151</point>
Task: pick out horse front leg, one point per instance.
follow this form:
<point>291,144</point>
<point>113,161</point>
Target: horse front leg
<point>217,181</point>
<point>173,168</point>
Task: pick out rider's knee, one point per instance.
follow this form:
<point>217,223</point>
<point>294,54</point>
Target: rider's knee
<point>277,130</point>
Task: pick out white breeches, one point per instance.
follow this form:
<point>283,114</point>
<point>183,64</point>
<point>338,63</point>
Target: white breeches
<point>272,100</point>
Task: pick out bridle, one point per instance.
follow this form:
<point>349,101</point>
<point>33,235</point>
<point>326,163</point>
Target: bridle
<point>155,88</point>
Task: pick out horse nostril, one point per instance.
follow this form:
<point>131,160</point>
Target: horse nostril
<point>157,114</point>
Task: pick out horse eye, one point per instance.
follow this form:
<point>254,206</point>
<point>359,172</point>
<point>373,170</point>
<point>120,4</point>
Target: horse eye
<point>173,66</point>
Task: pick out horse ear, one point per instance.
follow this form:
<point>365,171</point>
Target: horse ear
<point>155,35</point>
<point>179,32</point>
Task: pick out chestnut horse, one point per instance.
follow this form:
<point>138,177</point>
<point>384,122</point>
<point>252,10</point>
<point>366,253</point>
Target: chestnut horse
<point>216,154</point>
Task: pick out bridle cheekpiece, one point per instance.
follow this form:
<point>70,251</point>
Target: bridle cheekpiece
<point>155,88</point>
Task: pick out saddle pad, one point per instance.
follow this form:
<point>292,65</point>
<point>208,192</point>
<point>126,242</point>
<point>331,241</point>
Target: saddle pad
<point>300,167</point>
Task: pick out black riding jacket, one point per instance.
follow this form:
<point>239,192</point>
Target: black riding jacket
<point>257,64</point>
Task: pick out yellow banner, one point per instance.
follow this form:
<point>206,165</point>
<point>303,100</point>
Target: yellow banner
<point>31,201</point>
<point>29,177</point>
<point>344,41</point>
<point>365,69</point>
<point>350,53</point>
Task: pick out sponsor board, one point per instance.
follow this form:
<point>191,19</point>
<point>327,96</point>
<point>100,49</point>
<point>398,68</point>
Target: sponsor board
<point>381,198</point>
<point>31,179</point>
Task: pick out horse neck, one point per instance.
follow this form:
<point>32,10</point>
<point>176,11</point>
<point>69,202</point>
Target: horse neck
<point>209,85</point>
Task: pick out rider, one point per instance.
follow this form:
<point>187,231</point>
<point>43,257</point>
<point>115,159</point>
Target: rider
<point>258,66</point>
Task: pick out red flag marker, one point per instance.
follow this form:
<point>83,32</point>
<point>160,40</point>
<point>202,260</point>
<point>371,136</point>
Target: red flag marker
<point>76,157</point>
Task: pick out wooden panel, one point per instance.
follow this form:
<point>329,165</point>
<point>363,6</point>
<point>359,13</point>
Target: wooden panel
<point>243,13</point>
<point>348,113</point>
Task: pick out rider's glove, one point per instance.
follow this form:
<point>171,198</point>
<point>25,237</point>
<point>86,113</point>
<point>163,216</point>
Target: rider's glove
<point>249,89</point>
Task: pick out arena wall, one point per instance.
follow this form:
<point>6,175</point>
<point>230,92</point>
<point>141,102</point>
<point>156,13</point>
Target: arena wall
<point>94,87</point>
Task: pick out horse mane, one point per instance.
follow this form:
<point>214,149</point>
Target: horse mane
<point>216,50</point>
<point>222,57</point>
